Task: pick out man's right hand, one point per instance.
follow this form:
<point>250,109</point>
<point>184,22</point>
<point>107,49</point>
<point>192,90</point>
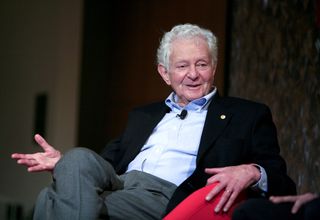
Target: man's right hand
<point>41,161</point>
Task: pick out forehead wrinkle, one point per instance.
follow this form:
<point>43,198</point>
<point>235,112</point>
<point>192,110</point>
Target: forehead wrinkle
<point>184,45</point>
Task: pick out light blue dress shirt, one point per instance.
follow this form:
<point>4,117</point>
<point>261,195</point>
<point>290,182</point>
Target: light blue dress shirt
<point>171,150</point>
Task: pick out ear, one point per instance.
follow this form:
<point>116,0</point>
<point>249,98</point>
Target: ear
<point>164,74</point>
<point>214,70</point>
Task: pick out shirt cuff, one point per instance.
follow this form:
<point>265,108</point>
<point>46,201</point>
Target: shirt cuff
<point>262,184</point>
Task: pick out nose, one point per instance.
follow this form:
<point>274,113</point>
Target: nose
<point>193,73</point>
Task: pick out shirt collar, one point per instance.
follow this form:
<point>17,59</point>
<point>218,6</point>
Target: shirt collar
<point>195,105</point>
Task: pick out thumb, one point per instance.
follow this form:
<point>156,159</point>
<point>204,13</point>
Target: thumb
<point>42,143</point>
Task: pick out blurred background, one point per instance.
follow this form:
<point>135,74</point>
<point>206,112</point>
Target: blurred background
<point>72,70</point>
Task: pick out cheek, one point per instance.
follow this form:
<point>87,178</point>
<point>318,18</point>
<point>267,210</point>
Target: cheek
<point>176,79</point>
<point>208,78</point>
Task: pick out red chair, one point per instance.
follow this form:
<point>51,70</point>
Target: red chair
<point>195,207</point>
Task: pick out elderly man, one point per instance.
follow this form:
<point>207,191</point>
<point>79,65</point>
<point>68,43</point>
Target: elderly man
<point>169,149</point>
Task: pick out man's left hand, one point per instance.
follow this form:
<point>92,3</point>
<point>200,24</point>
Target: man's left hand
<point>232,180</point>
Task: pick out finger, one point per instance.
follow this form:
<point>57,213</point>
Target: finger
<point>213,170</point>
<point>230,202</point>
<point>27,162</point>
<point>212,180</point>
<point>296,206</point>
<point>214,191</point>
<point>280,199</point>
<point>17,156</point>
<point>224,198</point>
<point>21,156</point>
<point>42,142</point>
<point>37,168</point>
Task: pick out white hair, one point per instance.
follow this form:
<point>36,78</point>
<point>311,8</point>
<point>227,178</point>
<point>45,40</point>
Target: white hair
<point>184,31</point>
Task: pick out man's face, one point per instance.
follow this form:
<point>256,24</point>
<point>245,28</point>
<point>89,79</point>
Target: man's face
<point>191,71</point>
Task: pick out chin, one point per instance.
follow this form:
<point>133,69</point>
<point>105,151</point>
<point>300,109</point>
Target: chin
<point>191,98</point>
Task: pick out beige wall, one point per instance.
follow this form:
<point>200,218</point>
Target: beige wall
<point>40,52</point>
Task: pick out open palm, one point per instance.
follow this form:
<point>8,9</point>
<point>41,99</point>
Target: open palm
<point>40,161</point>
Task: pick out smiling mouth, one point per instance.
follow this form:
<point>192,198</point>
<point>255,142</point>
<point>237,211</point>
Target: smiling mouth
<point>193,86</point>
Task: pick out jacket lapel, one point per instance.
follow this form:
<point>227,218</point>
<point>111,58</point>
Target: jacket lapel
<point>140,127</point>
<point>217,119</point>
<point>145,122</point>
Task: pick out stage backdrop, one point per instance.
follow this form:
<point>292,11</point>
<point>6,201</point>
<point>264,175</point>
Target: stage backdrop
<point>275,59</point>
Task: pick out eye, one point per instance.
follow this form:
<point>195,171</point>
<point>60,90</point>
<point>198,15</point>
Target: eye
<point>202,65</point>
<point>182,66</point>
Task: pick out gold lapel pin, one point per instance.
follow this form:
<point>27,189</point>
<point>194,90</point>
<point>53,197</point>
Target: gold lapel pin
<point>223,117</point>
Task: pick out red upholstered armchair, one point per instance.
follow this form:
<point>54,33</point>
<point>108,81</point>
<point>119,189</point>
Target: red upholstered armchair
<point>195,207</point>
